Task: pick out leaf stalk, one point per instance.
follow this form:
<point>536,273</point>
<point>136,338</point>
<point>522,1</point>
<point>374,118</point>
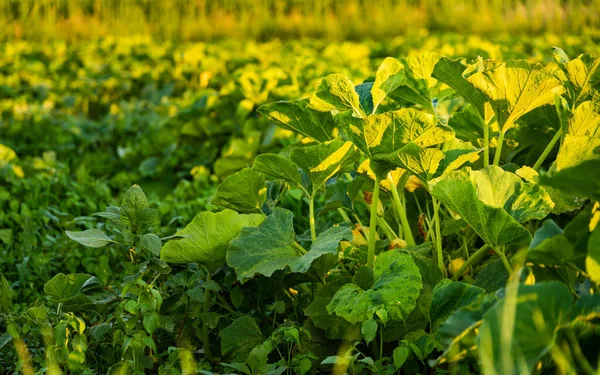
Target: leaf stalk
<point>373,224</point>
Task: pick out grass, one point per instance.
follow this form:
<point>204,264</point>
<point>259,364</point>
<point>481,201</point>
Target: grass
<point>264,19</point>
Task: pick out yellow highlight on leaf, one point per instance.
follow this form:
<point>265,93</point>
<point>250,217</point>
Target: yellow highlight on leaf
<point>595,216</point>
<point>18,171</point>
<point>333,158</point>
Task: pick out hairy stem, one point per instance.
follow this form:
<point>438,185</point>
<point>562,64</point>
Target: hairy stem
<point>311,208</point>
<point>299,248</point>
<point>547,150</point>
<point>438,236</point>
<point>389,232</point>
<point>474,258</point>
<point>499,148</point>
<point>505,261</point>
<point>373,224</point>
<point>486,143</point>
<point>401,211</point>
<point>344,215</point>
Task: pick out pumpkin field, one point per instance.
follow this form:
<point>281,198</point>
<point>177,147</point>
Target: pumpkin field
<point>179,201</point>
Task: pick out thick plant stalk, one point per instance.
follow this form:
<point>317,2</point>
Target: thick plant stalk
<point>373,224</point>
<point>389,232</point>
<point>486,143</point>
<point>311,208</point>
<point>505,261</point>
<point>547,150</point>
<point>499,148</point>
<point>344,215</point>
<point>401,211</point>
<point>438,236</point>
<point>474,258</point>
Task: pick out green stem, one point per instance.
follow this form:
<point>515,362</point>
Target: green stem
<point>578,354</point>
<point>373,224</point>
<point>547,150</point>
<point>401,211</point>
<point>344,215</point>
<point>438,236</point>
<point>505,261</point>
<point>383,224</point>
<point>486,143</point>
<point>357,219</point>
<point>205,307</point>
<point>311,208</point>
<point>389,232</point>
<point>299,248</point>
<point>499,148</point>
<point>474,258</point>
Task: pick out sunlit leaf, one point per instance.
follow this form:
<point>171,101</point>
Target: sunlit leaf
<point>516,87</point>
<point>206,238</point>
<point>515,345</point>
<point>243,191</point>
<point>397,282</point>
<point>298,117</point>
<point>270,247</point>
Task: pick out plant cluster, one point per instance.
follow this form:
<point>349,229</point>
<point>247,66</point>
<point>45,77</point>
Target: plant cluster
<point>439,217</point>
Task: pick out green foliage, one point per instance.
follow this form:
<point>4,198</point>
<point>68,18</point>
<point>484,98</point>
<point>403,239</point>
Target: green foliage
<point>205,240</point>
<point>251,252</point>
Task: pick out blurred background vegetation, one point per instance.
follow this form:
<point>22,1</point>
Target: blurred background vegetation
<point>180,20</point>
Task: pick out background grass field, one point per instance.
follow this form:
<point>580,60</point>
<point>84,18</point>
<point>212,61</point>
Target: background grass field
<point>265,19</point>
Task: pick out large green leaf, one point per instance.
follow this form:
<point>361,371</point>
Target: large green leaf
<point>296,116</point>
<point>335,328</point>
<point>501,189</point>
<point>449,297</point>
<point>90,237</point>
<point>270,247</point>
<point>383,136</point>
<point>336,93</point>
<point>516,87</point>
<point>426,163</point>
<point>582,75</point>
<point>462,192</point>
<point>135,211</point>
<point>322,161</point>
<point>239,338</point>
<point>521,328</point>
<point>205,240</point>
<point>456,154</point>
<point>66,287</point>
<point>582,139</point>
<point>551,247</point>
<point>422,162</point>
<point>397,282</point>
<point>389,76</point>
<point>279,167</point>
<point>243,191</point>
<point>419,86</point>
<point>585,120</point>
<point>582,179</point>
<point>450,72</point>
<point>316,162</point>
